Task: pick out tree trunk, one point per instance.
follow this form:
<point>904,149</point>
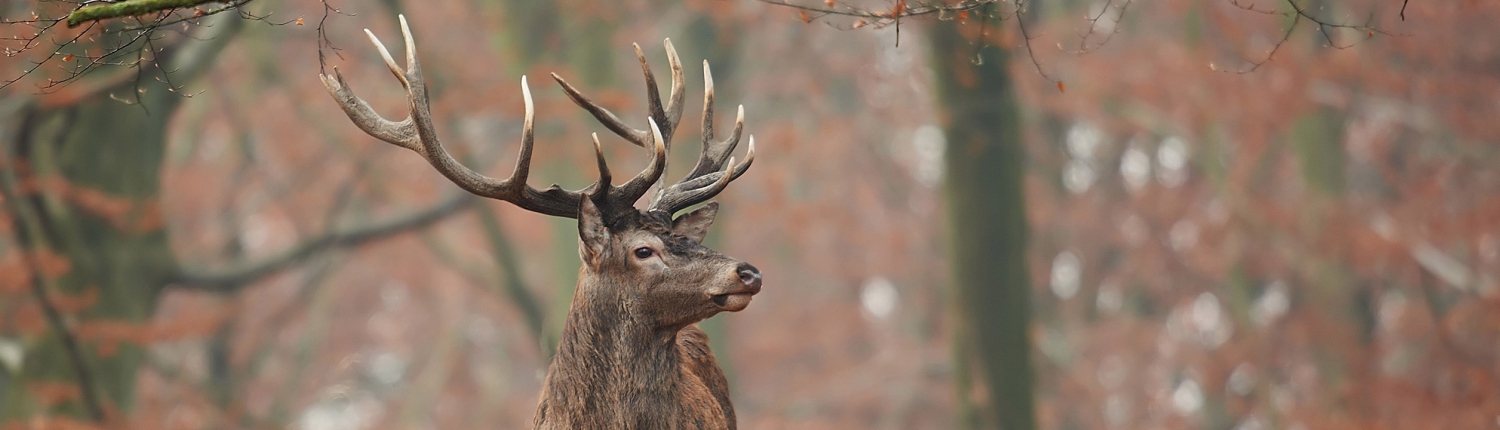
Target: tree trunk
<point>987,223</point>
<point>99,165</point>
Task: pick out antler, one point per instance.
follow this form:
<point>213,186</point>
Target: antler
<point>711,174</point>
<point>666,118</point>
<point>418,134</point>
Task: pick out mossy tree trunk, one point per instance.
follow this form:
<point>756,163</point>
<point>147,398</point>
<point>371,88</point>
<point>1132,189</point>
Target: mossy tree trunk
<point>987,222</point>
<point>98,165</point>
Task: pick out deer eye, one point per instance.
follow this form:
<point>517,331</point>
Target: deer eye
<point>644,253</point>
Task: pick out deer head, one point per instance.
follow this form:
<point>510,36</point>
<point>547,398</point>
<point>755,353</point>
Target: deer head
<point>660,269</point>
<point>645,274</point>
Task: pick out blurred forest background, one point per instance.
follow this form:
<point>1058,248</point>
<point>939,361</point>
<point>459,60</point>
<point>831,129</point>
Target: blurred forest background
<point>958,228</point>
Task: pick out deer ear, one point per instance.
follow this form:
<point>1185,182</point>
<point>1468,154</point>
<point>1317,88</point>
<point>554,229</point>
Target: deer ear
<point>695,224</point>
<point>593,236</point>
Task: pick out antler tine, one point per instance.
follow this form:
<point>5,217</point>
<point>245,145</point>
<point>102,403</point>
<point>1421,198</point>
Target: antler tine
<point>390,63</point>
<point>402,133</point>
<point>653,95</point>
<point>523,160</point>
<point>633,190</point>
<point>412,67</point>
<point>421,116</point>
<point>699,189</point>
<point>554,200</point>
<point>604,185</point>
<point>418,134</point>
<point>610,121</point>
<point>711,173</point>
<point>666,118</point>
<point>675,100</point>
<point>713,154</point>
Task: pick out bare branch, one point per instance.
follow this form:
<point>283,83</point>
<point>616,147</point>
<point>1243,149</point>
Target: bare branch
<point>197,13</point>
<point>1026,38</point>
<point>879,18</point>
<point>127,8</point>
<point>1251,7</point>
<point>1284,37</point>
<point>243,273</point>
<point>532,308</point>
<point>81,51</point>
<point>884,17</point>
<point>1083,39</point>
<point>323,40</point>
<point>1299,13</point>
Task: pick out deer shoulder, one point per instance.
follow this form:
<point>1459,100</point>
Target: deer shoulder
<point>701,365</point>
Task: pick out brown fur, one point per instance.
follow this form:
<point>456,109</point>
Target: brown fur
<point>630,356</point>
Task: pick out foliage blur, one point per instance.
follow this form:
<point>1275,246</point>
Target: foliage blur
<point>1309,245</point>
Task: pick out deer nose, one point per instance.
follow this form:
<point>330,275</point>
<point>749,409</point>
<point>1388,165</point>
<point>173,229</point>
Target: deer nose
<point>749,275</point>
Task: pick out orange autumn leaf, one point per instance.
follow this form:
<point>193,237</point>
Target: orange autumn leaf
<point>75,303</point>
<point>828,2</point>
<point>299,21</point>
<point>802,14</point>
<point>60,423</point>
<point>200,321</point>
<point>112,331</point>
<point>898,9</point>
<point>1060,88</point>
<point>15,277</point>
<point>963,15</point>
<point>29,319</point>
<point>68,57</point>
<point>49,394</point>
<point>107,349</point>
<point>123,213</point>
<point>51,264</point>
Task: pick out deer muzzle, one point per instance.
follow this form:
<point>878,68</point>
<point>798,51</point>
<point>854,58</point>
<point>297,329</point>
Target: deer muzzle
<point>738,298</point>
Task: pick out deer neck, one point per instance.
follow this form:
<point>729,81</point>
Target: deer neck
<point>609,359</point>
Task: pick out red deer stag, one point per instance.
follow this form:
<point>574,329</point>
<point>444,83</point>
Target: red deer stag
<point>630,356</point>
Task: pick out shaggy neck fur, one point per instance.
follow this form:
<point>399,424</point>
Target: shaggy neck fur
<point>613,368</point>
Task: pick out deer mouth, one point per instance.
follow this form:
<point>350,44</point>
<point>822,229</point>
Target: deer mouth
<point>735,301</point>
<point>732,302</point>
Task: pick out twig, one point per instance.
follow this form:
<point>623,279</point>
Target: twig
<point>1299,14</point>
<point>142,30</point>
<point>323,40</point>
<point>1251,7</point>
<point>1026,38</point>
<point>1083,40</point>
<point>894,15</point>
<point>1256,65</point>
<point>38,64</point>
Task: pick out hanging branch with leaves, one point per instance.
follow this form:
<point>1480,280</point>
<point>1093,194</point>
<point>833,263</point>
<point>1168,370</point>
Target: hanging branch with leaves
<point>1101,25</point>
<point>68,39</point>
